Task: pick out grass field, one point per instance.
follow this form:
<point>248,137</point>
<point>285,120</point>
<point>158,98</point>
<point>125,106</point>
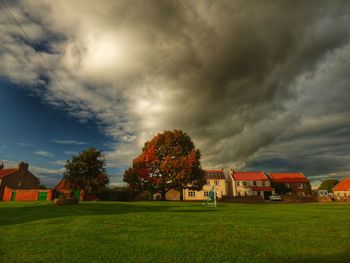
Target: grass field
<point>174,232</point>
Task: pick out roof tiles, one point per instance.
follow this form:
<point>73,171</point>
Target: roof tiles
<point>249,176</point>
<point>343,185</point>
<point>288,178</point>
<point>5,172</point>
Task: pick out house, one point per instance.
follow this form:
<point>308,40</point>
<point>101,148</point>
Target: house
<point>250,184</point>
<point>63,188</point>
<point>291,183</point>
<point>214,178</point>
<point>342,189</point>
<point>19,184</point>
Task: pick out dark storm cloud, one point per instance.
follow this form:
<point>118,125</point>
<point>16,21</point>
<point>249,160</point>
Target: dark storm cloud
<point>246,79</point>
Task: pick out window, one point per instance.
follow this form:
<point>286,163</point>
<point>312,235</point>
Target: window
<point>263,183</point>
<point>191,193</point>
<point>287,185</point>
<point>205,193</point>
<point>238,183</point>
<point>254,183</point>
<point>216,182</point>
<point>245,183</point>
<point>300,186</point>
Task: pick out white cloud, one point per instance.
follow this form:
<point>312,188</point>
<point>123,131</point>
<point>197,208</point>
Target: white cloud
<point>69,142</point>
<point>43,154</point>
<point>70,152</point>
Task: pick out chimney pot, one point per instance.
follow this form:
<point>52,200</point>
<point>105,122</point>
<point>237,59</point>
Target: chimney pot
<point>22,166</point>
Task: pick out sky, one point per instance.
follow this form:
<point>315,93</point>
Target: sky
<point>258,85</point>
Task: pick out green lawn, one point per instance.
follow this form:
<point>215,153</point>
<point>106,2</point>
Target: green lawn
<point>174,232</point>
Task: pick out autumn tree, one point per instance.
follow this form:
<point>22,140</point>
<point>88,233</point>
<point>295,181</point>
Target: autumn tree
<point>168,161</point>
<point>86,171</point>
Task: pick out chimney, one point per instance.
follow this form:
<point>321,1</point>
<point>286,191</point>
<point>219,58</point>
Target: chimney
<point>22,166</point>
<point>2,166</point>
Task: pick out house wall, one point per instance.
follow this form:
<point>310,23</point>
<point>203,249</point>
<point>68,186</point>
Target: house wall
<point>299,191</point>
<point>25,194</point>
<point>221,190</point>
<point>338,195</point>
<point>172,195</point>
<point>243,190</point>
<point>21,179</point>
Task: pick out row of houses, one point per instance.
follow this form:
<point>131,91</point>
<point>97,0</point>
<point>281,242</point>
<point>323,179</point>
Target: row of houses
<point>246,184</point>
<point>20,184</point>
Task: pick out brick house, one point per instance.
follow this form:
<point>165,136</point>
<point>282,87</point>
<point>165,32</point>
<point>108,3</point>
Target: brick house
<point>295,183</point>
<point>214,178</point>
<point>63,188</point>
<point>19,184</point>
<point>250,184</point>
<point>342,190</point>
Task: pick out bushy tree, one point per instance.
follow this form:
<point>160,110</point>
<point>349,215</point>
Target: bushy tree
<point>328,185</point>
<point>168,161</point>
<point>86,171</point>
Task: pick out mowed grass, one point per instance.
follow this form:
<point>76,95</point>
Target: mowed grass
<point>174,232</point>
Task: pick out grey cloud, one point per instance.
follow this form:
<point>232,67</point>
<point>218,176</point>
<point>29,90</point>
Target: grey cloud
<point>245,79</point>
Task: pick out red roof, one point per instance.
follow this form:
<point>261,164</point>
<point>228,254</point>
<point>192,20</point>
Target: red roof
<point>249,176</point>
<point>261,188</point>
<point>343,185</point>
<point>5,172</point>
<point>215,174</point>
<point>288,178</point>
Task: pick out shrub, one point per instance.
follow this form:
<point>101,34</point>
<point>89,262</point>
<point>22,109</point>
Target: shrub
<point>116,194</point>
<point>66,201</point>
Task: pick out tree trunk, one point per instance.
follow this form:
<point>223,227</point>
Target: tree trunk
<point>181,194</point>
<point>163,196</point>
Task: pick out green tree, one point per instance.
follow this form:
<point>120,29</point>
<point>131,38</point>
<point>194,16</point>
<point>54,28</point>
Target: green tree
<point>168,161</point>
<point>86,171</point>
<point>328,185</point>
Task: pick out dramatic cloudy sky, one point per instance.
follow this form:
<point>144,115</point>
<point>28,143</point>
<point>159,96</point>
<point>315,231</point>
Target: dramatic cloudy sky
<point>258,85</point>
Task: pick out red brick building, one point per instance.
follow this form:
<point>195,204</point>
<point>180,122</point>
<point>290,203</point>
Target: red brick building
<point>63,188</point>
<point>296,183</point>
<point>19,184</point>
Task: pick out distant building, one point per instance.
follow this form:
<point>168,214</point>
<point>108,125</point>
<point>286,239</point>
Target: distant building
<point>296,183</point>
<point>214,178</point>
<point>342,189</point>
<point>250,183</point>
<point>62,188</point>
<point>19,184</point>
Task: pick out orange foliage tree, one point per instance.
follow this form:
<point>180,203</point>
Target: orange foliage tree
<point>168,161</point>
